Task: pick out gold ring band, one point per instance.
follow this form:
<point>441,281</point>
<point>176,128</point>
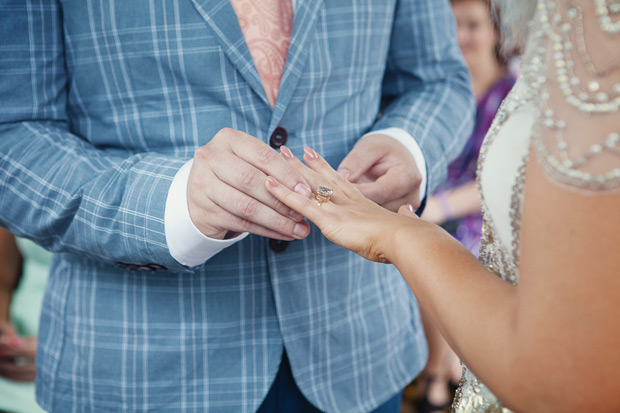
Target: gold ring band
<point>323,194</point>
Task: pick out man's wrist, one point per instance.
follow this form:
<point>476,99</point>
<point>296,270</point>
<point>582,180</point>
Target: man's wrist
<point>186,243</point>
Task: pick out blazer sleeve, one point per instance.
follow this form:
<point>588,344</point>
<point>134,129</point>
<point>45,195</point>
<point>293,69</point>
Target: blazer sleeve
<point>426,87</point>
<point>56,188</point>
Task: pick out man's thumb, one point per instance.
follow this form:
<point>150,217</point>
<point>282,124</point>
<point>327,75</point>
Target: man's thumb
<point>356,164</point>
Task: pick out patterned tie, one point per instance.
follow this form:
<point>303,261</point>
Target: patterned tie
<point>267,26</point>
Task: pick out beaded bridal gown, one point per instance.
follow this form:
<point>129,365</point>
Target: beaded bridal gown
<point>557,53</point>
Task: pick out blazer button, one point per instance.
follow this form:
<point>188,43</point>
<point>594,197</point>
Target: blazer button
<point>278,245</point>
<point>278,137</point>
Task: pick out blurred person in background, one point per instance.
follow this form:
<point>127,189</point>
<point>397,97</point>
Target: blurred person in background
<point>23,275</point>
<point>456,205</point>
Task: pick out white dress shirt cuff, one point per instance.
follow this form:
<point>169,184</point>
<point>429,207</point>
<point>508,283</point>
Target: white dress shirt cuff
<point>406,139</point>
<point>186,243</point>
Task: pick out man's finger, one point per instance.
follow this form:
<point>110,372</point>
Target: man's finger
<point>247,214</point>
<point>13,370</point>
<point>243,225</point>
<point>27,349</point>
<point>236,173</point>
<point>268,161</point>
<point>357,162</point>
<point>393,185</point>
<point>248,179</point>
<point>396,204</point>
<point>407,209</point>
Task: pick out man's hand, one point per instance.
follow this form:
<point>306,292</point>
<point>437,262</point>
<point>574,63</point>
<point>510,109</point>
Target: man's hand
<point>226,192</point>
<point>16,355</point>
<point>384,170</point>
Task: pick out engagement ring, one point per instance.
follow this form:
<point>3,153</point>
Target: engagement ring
<point>323,194</point>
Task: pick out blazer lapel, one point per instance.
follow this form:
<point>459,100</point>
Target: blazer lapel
<point>306,12</point>
<point>221,17</point>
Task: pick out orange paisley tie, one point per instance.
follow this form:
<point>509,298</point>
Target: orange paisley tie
<point>267,26</point>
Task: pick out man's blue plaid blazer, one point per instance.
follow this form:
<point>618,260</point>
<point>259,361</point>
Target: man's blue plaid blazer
<point>101,102</point>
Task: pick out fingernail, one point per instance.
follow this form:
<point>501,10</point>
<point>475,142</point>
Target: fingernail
<point>15,341</point>
<point>295,215</point>
<point>303,189</point>
<point>344,172</point>
<point>410,207</point>
<point>286,153</point>
<point>311,154</point>
<point>272,181</point>
<point>300,231</point>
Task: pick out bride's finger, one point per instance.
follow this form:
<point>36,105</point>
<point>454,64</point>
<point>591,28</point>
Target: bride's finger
<point>316,179</point>
<point>313,178</point>
<point>308,207</point>
<point>337,181</point>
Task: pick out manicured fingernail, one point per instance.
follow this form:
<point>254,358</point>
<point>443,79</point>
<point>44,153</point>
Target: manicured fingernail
<point>272,181</point>
<point>344,172</point>
<point>311,154</point>
<point>410,207</point>
<point>295,215</point>
<point>15,341</point>
<point>286,153</point>
<point>303,189</point>
<point>300,231</point>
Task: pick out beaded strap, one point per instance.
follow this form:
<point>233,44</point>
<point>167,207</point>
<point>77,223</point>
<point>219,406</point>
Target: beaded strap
<point>560,158</point>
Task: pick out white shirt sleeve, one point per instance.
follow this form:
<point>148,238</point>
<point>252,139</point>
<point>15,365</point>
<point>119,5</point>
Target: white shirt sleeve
<point>406,139</point>
<point>186,243</point>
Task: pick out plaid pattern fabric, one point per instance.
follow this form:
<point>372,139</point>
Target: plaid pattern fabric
<point>102,102</point>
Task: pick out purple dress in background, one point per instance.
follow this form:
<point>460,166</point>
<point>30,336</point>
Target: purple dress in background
<point>463,170</point>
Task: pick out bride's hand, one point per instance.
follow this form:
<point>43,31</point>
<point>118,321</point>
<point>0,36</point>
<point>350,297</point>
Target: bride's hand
<point>348,219</point>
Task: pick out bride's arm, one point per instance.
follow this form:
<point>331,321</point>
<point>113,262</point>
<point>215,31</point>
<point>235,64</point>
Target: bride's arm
<point>567,306</point>
<point>473,308</point>
<point>549,344</point>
